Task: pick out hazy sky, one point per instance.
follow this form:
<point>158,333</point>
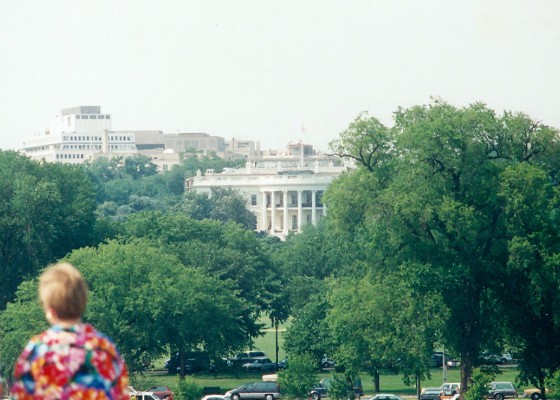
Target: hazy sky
<point>258,69</point>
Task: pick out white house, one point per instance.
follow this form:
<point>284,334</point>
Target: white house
<point>284,192</point>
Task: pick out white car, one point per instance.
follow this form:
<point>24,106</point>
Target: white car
<point>214,397</point>
<point>327,362</point>
<point>143,396</point>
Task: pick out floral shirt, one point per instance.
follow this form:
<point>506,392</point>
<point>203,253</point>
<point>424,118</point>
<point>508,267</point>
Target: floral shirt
<point>70,363</point>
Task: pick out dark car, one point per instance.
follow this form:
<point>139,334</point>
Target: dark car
<point>195,361</point>
<point>501,390</point>
<point>431,393</point>
<point>437,359</point>
<point>255,390</point>
<point>318,392</point>
<point>283,364</point>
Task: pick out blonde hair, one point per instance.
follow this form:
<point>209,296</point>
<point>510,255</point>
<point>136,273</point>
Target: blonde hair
<point>63,288</point>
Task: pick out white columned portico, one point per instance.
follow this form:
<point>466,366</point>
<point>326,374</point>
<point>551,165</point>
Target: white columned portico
<point>299,210</point>
<point>285,230</point>
<point>314,207</point>
<point>272,211</point>
<point>263,211</point>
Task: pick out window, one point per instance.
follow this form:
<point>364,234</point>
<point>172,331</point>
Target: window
<point>253,199</point>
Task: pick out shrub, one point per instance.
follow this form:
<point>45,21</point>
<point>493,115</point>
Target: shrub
<point>187,389</point>
<point>478,388</point>
<point>298,380</point>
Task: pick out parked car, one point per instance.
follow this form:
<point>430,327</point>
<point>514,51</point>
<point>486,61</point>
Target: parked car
<point>163,392</point>
<point>245,357</point>
<point>501,390</point>
<point>383,396</point>
<point>490,358</point>
<point>431,393</point>
<point>437,359</point>
<point>448,390</point>
<point>326,362</point>
<point>194,361</point>
<point>214,397</point>
<point>255,390</point>
<point>453,363</point>
<point>260,364</point>
<point>283,364</point>
<point>533,393</point>
<point>318,392</point>
<point>144,396</point>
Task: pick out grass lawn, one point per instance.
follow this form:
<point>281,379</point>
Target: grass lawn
<point>391,383</point>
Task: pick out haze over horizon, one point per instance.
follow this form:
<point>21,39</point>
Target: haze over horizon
<point>261,70</point>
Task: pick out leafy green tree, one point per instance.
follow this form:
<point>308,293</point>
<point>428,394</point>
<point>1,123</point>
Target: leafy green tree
<point>340,388</point>
<point>298,380</point>
<point>148,302</point>
<point>225,251</point>
<point>221,204</point>
<point>531,301</point>
<point>479,388</point>
<point>379,324</point>
<point>46,210</point>
<point>21,320</point>
<point>187,389</point>
<point>309,332</point>
<point>427,192</point>
<point>139,166</point>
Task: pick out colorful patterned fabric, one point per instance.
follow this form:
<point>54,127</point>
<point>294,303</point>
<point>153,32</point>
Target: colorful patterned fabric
<point>71,363</point>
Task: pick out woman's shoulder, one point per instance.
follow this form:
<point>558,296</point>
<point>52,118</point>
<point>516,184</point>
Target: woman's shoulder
<point>92,339</point>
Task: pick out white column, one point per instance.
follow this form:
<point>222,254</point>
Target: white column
<point>324,209</point>
<point>263,212</point>
<point>272,212</point>
<point>285,230</point>
<point>314,207</point>
<point>299,210</point>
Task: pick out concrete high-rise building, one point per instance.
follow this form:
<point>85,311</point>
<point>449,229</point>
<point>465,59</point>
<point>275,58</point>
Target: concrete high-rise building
<point>76,135</point>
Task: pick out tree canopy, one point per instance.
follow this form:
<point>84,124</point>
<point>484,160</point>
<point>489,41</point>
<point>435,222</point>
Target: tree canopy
<point>46,210</point>
<point>454,190</point>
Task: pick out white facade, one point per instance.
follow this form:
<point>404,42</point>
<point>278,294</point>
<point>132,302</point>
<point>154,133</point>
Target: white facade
<point>77,135</point>
<point>284,193</point>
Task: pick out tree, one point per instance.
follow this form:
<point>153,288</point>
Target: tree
<point>309,333</point>
<point>139,166</point>
<point>377,322</point>
<point>149,302</point>
<point>46,210</point>
<point>531,301</point>
<point>297,381</point>
<point>221,204</point>
<point>427,193</point>
<point>225,251</point>
<point>21,320</point>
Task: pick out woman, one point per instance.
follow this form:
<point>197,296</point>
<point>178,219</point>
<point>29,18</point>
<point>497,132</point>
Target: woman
<point>70,359</point>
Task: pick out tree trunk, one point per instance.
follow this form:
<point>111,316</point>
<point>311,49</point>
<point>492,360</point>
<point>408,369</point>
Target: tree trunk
<point>182,364</point>
<point>418,389</point>
<point>376,381</point>
<point>466,372</point>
